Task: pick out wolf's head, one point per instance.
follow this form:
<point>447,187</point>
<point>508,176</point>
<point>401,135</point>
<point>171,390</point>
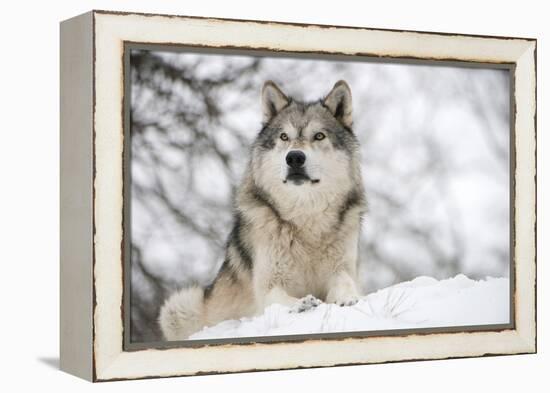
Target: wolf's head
<point>306,151</point>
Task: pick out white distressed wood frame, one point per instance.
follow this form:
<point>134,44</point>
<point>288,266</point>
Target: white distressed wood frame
<point>92,320</point>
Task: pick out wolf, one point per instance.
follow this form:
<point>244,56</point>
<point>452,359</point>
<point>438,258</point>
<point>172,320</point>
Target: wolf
<point>297,218</point>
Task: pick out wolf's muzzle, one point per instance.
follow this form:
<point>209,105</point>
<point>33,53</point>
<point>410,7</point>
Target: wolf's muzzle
<point>295,159</point>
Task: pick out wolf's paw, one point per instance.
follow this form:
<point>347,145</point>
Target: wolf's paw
<point>306,303</point>
<point>349,301</point>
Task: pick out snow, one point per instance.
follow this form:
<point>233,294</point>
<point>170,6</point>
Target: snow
<point>420,303</point>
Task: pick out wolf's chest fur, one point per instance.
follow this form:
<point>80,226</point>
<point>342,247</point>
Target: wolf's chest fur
<point>307,267</point>
<point>302,262</point>
<point>302,254</point>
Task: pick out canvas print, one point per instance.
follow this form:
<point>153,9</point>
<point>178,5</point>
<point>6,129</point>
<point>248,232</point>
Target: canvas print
<point>281,195</point>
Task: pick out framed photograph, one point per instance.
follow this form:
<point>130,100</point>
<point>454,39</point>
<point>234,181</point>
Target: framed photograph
<point>247,195</point>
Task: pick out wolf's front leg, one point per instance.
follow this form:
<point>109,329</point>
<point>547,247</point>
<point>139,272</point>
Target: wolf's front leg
<point>342,289</point>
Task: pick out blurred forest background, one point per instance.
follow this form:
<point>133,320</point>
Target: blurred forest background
<point>435,158</point>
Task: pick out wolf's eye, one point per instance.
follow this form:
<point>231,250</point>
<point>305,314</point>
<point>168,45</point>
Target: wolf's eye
<point>284,136</point>
<point>319,136</point>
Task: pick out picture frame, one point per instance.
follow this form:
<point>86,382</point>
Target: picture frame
<point>94,288</point>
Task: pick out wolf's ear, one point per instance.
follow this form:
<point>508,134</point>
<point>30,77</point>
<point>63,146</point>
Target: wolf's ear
<point>273,100</point>
<point>338,102</point>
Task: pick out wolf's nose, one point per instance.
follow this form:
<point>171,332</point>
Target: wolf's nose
<point>295,159</point>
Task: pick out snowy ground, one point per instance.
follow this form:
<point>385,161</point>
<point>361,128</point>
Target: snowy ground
<point>422,302</point>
